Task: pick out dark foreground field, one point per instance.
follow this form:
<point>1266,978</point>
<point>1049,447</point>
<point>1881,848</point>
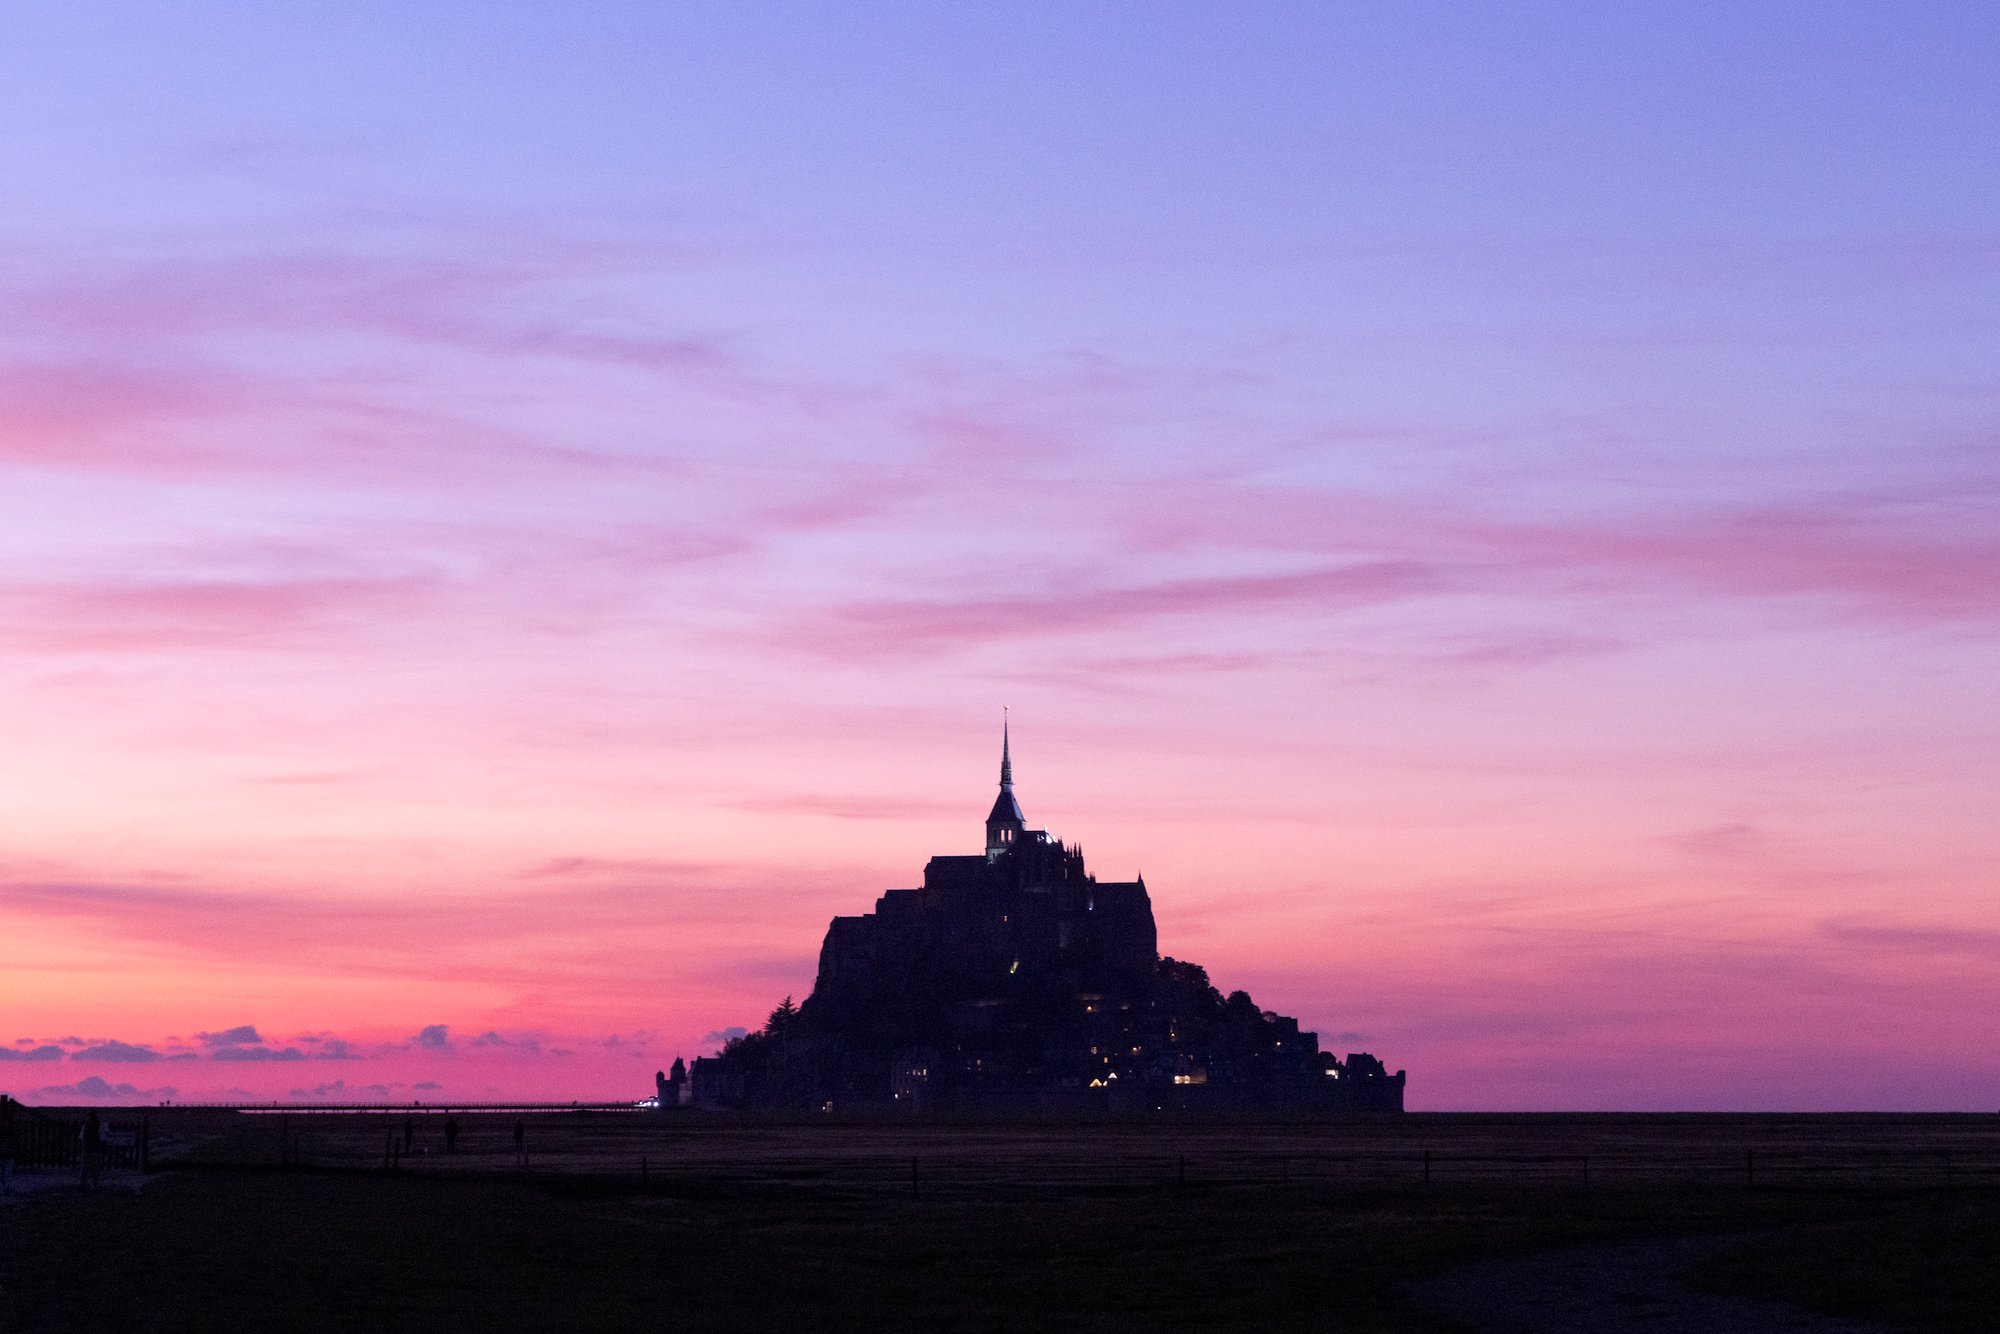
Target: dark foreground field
<point>712,1223</point>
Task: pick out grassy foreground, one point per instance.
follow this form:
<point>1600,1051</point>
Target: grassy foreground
<point>783,1241</point>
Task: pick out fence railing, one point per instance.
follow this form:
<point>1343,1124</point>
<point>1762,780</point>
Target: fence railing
<point>45,1141</point>
<point>669,1155</point>
<point>667,1168</point>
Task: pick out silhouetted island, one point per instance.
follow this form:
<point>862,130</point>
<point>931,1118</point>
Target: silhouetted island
<point>1016,980</point>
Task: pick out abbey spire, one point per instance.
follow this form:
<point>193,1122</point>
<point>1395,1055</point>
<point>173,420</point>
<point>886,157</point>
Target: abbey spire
<point>1005,823</point>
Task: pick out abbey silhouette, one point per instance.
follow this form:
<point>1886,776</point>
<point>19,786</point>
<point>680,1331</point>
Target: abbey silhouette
<point>1015,979</point>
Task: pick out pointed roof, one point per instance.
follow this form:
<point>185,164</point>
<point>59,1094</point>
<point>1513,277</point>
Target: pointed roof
<point>1006,810</point>
<point>1006,754</point>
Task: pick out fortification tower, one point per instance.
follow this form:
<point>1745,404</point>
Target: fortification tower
<point>1005,824</point>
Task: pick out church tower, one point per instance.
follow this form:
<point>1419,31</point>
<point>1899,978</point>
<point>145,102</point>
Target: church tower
<point>1005,824</point>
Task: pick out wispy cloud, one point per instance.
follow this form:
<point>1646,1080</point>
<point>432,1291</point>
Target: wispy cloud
<point>1724,840</point>
<point>842,807</point>
<point>326,1047</point>
<point>651,867</point>
<point>94,1088</point>
<point>1913,937</point>
<point>433,300</point>
<point>200,614</point>
<point>122,1053</point>
<point>257,1054</point>
<point>579,929</point>
<point>42,1053</point>
<point>886,628</point>
<point>336,1090</point>
<point>1894,553</point>
<point>174,368</point>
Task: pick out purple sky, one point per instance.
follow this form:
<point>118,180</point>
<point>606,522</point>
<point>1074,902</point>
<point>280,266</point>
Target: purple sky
<point>515,514</point>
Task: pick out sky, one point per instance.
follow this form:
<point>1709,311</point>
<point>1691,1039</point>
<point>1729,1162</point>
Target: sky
<point>512,515</point>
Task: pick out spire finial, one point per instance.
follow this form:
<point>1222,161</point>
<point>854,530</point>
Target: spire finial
<point>1006,753</point>
<point>1004,826</point>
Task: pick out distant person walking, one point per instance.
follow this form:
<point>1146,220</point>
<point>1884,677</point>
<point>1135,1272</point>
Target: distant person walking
<point>90,1163</point>
<point>7,1133</point>
<point>520,1143</point>
<point>409,1132</point>
<point>451,1134</point>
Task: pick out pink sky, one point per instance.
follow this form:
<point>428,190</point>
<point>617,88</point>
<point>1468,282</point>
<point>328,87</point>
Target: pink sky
<point>481,585</point>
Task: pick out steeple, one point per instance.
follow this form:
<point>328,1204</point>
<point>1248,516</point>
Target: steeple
<point>1006,755</point>
<point>1006,822</point>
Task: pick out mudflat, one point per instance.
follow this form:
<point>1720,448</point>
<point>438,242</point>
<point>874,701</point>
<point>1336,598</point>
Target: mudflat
<point>1421,1222</point>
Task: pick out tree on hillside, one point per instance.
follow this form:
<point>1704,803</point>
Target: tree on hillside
<point>781,1017</point>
